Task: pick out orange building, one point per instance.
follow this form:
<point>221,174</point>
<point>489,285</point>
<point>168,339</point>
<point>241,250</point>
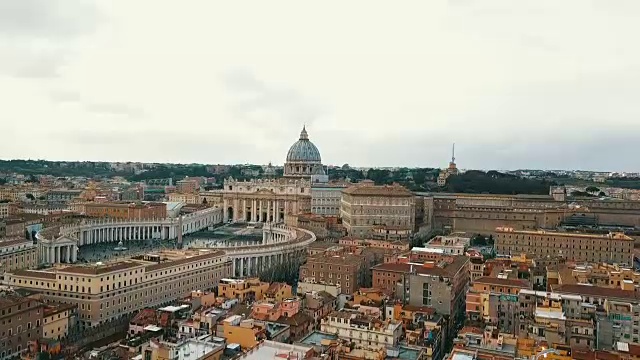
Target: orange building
<point>187,186</point>
<point>246,333</point>
<point>126,210</point>
<point>242,289</point>
<point>278,292</point>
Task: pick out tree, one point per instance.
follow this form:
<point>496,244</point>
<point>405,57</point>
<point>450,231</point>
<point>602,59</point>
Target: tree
<point>30,197</point>
<point>602,194</point>
<point>592,189</point>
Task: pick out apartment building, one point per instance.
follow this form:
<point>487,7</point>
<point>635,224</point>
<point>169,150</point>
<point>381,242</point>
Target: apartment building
<point>7,209</point>
<point>242,289</point>
<point>388,209</point>
<point>556,318</point>
<point>594,248</point>
<point>449,245</point>
<point>105,291</point>
<point>341,269</point>
<point>58,320</point>
<point>21,322</point>
<point>365,331</point>
<point>62,195</point>
<point>17,253</point>
<point>602,275</point>
<point>440,283</point>
<point>617,311</point>
<point>187,186</point>
<point>204,347</point>
<point>494,300</point>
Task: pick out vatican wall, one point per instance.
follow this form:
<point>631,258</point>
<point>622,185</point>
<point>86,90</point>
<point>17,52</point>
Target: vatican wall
<point>483,213</point>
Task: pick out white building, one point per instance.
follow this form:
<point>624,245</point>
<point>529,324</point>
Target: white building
<point>365,331</point>
<point>325,198</point>
<point>450,245</point>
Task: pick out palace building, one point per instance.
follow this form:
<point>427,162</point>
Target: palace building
<point>273,200</point>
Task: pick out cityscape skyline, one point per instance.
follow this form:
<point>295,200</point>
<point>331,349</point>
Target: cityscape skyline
<point>88,83</point>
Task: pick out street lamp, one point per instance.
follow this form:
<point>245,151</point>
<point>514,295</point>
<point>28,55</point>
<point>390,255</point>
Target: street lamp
<point>544,353</point>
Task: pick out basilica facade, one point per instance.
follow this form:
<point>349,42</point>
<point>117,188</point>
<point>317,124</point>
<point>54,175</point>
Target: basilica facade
<point>275,200</point>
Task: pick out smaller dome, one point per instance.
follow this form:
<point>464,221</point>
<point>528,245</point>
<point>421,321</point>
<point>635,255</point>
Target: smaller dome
<point>303,150</point>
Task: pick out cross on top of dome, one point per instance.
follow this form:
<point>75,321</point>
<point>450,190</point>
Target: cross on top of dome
<point>303,133</point>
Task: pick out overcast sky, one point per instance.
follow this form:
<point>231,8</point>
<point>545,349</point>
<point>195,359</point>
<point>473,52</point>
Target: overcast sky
<point>515,84</point>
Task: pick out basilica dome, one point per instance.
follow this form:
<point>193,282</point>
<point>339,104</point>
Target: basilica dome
<point>303,158</point>
<point>303,150</point>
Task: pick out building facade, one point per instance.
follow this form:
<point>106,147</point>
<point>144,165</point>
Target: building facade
<point>187,186</point>
<point>126,210</point>
<point>326,197</point>
<point>610,248</point>
<point>342,270</point>
<point>104,292</point>
<point>18,253</point>
<point>365,331</point>
<point>265,200</point>
<point>21,319</point>
<point>366,206</point>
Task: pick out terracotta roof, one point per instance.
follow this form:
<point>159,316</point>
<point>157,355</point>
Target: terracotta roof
<point>502,282</point>
<point>298,319</point>
<point>449,270</point>
<point>100,269</point>
<point>275,287</point>
<point>595,291</point>
<point>610,236</point>
<point>381,190</point>
<point>168,264</point>
<point>472,330</point>
<point>37,274</point>
<point>421,309</point>
<point>14,241</point>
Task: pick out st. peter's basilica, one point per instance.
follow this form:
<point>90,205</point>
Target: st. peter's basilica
<point>274,200</point>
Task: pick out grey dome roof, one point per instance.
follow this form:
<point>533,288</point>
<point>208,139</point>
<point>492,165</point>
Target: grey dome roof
<point>303,150</point>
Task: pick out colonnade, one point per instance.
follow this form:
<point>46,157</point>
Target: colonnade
<point>253,265</point>
<point>62,253</point>
<point>257,210</point>
<point>125,233</point>
<point>54,249</point>
<point>280,243</point>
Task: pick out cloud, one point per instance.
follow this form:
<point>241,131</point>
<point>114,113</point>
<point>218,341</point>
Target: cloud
<point>261,104</point>
<point>99,108</point>
<point>52,19</point>
<point>36,36</point>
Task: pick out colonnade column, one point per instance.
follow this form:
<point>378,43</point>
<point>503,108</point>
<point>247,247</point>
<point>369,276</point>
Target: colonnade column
<point>254,210</point>
<point>225,215</point>
<point>268,219</point>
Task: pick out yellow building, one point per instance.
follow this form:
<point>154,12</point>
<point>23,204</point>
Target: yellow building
<point>57,319</point>
<point>187,198</point>
<point>366,206</point>
<point>610,248</point>
<point>18,253</point>
<point>278,292</point>
<point>105,291</point>
<point>246,333</point>
<point>242,289</point>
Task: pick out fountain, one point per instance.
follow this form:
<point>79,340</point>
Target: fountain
<point>120,247</point>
